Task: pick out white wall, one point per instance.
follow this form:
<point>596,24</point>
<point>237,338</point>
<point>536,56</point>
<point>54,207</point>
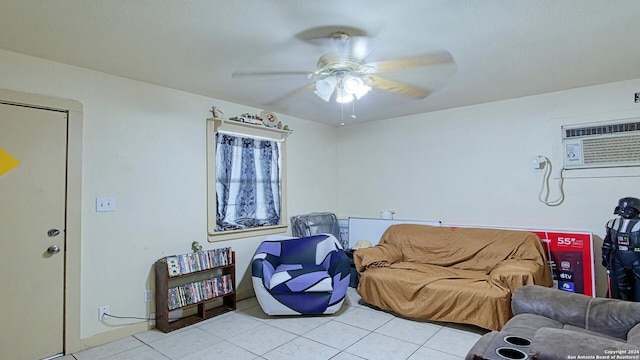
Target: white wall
<point>472,165</point>
<point>145,146</point>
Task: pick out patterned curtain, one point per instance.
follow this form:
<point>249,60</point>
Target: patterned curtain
<point>247,183</point>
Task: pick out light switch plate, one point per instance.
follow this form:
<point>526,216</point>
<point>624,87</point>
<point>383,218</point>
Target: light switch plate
<point>105,204</point>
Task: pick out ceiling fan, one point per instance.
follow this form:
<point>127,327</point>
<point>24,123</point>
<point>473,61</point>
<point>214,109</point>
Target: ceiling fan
<point>344,74</point>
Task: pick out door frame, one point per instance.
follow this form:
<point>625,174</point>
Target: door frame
<point>73,211</point>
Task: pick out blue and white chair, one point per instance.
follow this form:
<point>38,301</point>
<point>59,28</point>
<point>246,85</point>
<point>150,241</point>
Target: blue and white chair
<point>300,276</point>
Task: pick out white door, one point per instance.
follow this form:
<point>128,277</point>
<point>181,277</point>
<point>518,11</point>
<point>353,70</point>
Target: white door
<point>33,152</point>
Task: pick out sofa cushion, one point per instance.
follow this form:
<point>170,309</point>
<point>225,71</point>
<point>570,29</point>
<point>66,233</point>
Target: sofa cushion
<point>585,331</point>
<point>422,291</point>
<point>300,278</point>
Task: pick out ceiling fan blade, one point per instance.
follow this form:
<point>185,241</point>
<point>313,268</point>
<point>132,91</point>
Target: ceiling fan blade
<point>412,62</point>
<point>293,93</point>
<point>240,74</point>
<point>397,87</point>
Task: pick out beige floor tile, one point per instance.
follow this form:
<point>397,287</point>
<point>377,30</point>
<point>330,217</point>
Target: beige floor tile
<point>415,332</point>
<point>379,347</point>
<point>229,326</point>
<point>337,334</point>
<point>185,342</point>
<point>106,350</point>
<point>255,312</point>
<point>299,324</point>
<point>221,350</point>
<point>453,342</point>
<point>346,356</point>
<point>262,339</point>
<point>155,334</point>
<point>427,354</point>
<point>301,348</point>
<point>365,318</point>
<point>139,353</point>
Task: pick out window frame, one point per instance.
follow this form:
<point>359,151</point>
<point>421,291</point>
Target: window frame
<point>215,126</point>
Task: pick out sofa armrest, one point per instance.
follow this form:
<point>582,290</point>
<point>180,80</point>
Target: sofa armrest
<point>338,264</point>
<point>565,307</point>
<point>633,336</point>
<point>614,317</point>
<point>512,274</point>
<point>265,261</point>
<point>559,344</point>
<point>381,255</point>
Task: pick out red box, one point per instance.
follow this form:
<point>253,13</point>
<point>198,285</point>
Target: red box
<point>571,259</point>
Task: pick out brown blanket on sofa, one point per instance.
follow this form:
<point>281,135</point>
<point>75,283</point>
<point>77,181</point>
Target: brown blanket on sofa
<point>461,275</point>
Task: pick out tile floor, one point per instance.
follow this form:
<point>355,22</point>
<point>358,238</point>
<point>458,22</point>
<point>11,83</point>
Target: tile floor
<point>355,332</point>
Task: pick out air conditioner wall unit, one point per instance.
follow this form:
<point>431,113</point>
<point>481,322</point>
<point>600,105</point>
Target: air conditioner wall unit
<point>604,144</point>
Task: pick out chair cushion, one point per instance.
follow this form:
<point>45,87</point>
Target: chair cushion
<point>300,278</point>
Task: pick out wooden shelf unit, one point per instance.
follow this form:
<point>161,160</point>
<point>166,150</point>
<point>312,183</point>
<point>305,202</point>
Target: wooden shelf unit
<point>164,282</point>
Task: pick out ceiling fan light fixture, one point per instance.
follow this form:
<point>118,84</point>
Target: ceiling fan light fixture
<point>362,91</point>
<point>343,96</point>
<point>325,87</point>
<point>354,85</point>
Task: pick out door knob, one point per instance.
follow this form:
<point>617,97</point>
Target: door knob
<point>53,249</point>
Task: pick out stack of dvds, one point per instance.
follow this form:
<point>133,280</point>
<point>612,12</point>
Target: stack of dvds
<point>198,291</point>
<point>198,261</point>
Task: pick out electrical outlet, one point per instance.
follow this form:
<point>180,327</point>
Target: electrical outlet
<point>538,163</point>
<point>105,204</point>
<point>102,311</point>
<point>152,319</point>
<point>148,296</point>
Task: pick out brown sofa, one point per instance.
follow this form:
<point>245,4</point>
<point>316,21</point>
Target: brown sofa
<point>460,275</point>
<point>551,324</point>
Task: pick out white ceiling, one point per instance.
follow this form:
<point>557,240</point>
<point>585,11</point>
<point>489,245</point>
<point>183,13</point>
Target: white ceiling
<point>502,48</point>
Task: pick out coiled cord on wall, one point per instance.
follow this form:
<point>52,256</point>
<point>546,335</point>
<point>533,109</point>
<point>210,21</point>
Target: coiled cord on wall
<point>546,164</point>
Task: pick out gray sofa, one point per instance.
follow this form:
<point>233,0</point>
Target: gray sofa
<point>551,324</point>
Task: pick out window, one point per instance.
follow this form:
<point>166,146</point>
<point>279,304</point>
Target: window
<point>247,182</point>
<point>245,179</point>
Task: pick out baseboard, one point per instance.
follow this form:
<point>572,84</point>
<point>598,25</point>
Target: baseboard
<point>245,294</point>
<point>120,333</point>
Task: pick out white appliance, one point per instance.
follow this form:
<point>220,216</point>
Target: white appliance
<point>602,144</point>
